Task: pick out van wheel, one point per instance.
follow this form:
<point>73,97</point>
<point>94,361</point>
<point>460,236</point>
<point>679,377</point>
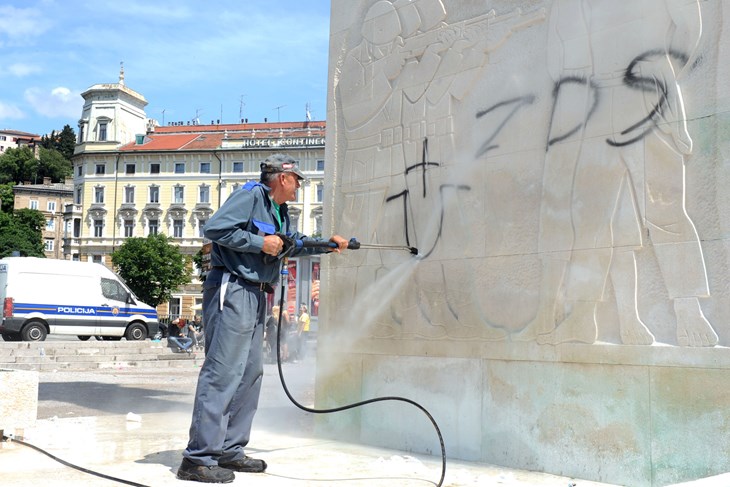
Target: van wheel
<point>11,337</point>
<point>136,331</point>
<point>34,331</point>
<point>83,338</point>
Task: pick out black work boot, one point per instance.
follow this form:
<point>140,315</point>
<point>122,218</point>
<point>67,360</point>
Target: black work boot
<point>204,473</point>
<point>245,464</point>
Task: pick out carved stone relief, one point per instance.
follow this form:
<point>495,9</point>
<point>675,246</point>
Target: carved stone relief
<point>535,191</point>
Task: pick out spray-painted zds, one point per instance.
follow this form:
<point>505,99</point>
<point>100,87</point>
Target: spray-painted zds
<point>548,205</point>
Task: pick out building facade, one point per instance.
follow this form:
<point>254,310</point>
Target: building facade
<point>50,199</point>
<point>133,178</point>
<point>13,139</point>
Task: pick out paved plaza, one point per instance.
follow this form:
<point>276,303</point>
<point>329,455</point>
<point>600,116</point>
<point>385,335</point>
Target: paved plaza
<point>132,423</point>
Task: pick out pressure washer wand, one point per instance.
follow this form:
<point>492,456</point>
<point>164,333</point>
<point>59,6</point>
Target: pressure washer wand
<point>353,244</point>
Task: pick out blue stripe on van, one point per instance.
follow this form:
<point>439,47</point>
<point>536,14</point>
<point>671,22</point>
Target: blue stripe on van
<point>74,310</point>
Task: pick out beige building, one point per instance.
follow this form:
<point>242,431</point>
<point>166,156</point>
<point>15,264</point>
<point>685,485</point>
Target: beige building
<point>133,178</point>
<point>50,199</point>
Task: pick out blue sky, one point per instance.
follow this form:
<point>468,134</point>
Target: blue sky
<point>187,57</point>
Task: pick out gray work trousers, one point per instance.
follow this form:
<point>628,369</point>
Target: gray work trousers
<point>229,383</point>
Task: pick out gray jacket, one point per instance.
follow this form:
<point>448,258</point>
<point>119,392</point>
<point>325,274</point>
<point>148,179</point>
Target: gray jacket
<point>237,231</point>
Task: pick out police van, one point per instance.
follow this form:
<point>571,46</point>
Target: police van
<point>42,296</point>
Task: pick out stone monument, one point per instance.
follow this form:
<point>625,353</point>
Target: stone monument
<point>561,166</point>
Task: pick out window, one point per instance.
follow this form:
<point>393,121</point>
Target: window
<point>97,259</point>
<point>204,194</point>
<point>51,224</point>
<point>52,206</point>
<point>79,170</point>
<point>98,228</point>
<point>77,227</point>
<point>320,165</point>
<point>128,228</point>
<point>152,226</point>
<point>102,131</point>
<point>319,192</point>
<point>237,167</point>
<point>201,224</point>
<point>112,289</point>
<point>174,307</point>
<point>77,197</point>
<point>75,257</point>
<point>130,168</point>
<point>155,168</point>
<point>177,228</point>
<point>48,245</point>
<point>205,167</point>
<point>179,168</point>
<point>33,204</point>
<point>99,194</point>
<point>318,224</point>
<point>100,169</point>
<point>129,194</point>
<point>154,194</point>
<point>179,194</point>
<point>294,221</point>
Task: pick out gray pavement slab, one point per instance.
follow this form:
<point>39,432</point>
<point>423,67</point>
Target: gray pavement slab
<point>84,419</point>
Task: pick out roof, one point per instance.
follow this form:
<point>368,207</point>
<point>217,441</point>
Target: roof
<point>18,133</point>
<point>313,126</point>
<point>211,137</point>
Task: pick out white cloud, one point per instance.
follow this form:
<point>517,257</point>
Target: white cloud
<point>10,111</point>
<point>18,23</point>
<point>22,69</point>
<point>59,102</point>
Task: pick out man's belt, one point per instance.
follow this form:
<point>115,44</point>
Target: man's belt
<point>261,286</point>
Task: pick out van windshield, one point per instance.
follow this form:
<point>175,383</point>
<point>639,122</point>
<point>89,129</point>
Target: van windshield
<point>113,289</point>
<point>126,286</point>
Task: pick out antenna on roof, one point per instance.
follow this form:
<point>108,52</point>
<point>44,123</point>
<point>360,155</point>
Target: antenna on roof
<point>121,72</point>
<point>240,108</point>
<point>278,119</point>
<point>308,113</point>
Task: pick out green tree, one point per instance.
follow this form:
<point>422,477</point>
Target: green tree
<point>63,141</point>
<point>18,165</point>
<point>7,197</point>
<point>22,231</point>
<point>152,267</point>
<point>66,142</point>
<point>54,165</point>
<point>198,261</point>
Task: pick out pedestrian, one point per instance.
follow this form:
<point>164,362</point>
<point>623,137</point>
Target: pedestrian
<point>302,331</point>
<point>245,245</point>
<point>177,338</point>
<point>195,331</point>
<point>270,335</point>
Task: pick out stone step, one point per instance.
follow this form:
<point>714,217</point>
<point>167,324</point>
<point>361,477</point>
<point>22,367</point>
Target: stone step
<point>93,355</point>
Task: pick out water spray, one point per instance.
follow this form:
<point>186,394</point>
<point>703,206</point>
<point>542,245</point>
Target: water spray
<point>353,244</point>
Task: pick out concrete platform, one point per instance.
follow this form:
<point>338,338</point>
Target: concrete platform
<point>148,452</point>
<point>83,418</point>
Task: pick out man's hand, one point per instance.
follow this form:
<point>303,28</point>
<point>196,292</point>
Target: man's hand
<point>272,245</point>
<point>341,243</point>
